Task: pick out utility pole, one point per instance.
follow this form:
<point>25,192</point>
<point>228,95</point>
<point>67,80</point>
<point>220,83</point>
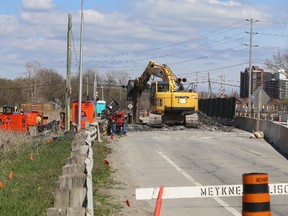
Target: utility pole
<point>224,83</point>
<point>80,67</point>
<point>196,82</point>
<point>68,78</point>
<point>87,83</point>
<point>95,93</point>
<point>250,64</point>
<point>209,87</point>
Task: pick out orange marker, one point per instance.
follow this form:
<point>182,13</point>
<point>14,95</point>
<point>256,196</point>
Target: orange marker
<point>127,203</point>
<point>1,184</point>
<point>10,175</point>
<point>106,162</point>
<point>32,157</point>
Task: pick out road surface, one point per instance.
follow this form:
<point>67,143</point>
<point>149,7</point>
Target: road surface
<point>184,158</point>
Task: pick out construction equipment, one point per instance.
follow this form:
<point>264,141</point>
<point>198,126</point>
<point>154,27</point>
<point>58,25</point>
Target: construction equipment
<point>169,103</point>
<point>24,121</point>
<point>87,113</point>
<point>116,120</point>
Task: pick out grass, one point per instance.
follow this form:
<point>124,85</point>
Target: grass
<point>35,168</point>
<point>30,190</point>
<point>102,181</point>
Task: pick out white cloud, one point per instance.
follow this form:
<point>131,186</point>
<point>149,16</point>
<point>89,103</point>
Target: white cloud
<point>39,32</point>
<point>36,5</point>
<point>225,3</point>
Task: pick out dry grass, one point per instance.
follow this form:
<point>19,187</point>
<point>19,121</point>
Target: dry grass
<point>15,142</point>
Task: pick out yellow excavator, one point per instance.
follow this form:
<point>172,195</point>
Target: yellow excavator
<point>169,103</point>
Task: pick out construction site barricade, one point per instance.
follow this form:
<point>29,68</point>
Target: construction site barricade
<point>74,196</point>
<point>256,197</point>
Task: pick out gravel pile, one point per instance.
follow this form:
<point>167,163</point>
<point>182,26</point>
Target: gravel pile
<point>205,124</point>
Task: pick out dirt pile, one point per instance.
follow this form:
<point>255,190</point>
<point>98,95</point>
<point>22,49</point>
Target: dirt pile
<point>206,123</point>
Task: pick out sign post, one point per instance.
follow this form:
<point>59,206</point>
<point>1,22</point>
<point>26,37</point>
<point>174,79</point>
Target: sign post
<point>260,98</point>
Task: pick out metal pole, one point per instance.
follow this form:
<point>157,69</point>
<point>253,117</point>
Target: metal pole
<point>87,82</point>
<point>250,66</point>
<point>95,87</point>
<point>80,67</point>
<point>258,111</point>
<point>68,79</point>
<point>102,92</point>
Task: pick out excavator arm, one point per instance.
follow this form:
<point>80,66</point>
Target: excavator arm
<point>137,86</point>
<point>157,70</point>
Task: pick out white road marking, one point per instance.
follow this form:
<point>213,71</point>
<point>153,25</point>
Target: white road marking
<point>251,151</point>
<point>190,178</point>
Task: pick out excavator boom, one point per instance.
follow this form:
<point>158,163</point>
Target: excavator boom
<point>167,97</point>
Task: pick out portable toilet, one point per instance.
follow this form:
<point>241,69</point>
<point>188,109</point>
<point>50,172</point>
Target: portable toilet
<point>100,106</point>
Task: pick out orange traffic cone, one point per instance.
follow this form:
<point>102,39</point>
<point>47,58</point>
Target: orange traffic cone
<point>1,184</point>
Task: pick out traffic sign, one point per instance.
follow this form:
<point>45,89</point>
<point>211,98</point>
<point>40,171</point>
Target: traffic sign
<point>263,96</point>
<point>130,106</point>
<point>204,191</point>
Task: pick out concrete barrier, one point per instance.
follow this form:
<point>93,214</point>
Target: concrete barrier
<point>74,195</point>
<point>275,133</point>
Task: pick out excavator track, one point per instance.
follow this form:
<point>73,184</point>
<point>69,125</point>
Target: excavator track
<point>155,120</point>
<point>192,120</point>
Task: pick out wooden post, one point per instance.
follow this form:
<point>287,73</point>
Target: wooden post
<point>68,78</point>
<point>258,110</point>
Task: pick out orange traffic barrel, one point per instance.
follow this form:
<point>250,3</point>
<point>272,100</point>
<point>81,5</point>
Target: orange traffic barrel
<point>256,197</point>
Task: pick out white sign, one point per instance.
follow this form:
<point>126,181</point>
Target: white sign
<point>203,191</point>
<point>130,106</point>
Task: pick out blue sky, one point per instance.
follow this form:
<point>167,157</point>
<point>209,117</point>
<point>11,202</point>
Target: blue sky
<point>193,37</point>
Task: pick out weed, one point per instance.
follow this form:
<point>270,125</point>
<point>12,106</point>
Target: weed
<point>29,172</point>
<point>102,180</point>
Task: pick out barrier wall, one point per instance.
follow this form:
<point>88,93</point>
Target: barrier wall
<point>275,133</point>
<point>74,195</point>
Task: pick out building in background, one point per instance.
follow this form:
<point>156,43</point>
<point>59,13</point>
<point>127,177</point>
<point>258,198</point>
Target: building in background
<point>274,84</point>
<point>282,85</point>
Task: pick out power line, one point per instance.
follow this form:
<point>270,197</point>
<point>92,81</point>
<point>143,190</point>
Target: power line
<point>215,69</point>
<point>207,56</point>
<point>192,49</point>
<point>275,35</point>
<point>113,57</point>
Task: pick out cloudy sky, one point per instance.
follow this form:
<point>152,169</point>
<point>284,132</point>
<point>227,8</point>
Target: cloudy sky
<point>193,37</point>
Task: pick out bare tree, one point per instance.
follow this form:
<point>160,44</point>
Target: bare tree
<point>279,63</point>
<point>33,82</point>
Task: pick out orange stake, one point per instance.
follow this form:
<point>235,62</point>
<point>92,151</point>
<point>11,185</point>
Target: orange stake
<point>10,175</point>
<point>159,202</point>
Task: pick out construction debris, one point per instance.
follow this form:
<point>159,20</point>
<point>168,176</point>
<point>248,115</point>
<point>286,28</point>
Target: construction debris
<point>206,123</point>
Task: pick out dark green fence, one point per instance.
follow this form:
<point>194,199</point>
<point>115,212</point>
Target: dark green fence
<point>218,107</point>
